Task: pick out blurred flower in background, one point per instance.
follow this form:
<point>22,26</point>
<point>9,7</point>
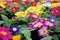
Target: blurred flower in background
<point>14,8</point>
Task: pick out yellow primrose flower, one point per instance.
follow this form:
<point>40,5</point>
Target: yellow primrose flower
<point>17,37</point>
<point>43,1</point>
<point>38,12</point>
<point>52,0</point>
<point>37,9</point>
<point>38,6</point>
<point>1,0</point>
<point>15,3</point>
<point>20,14</point>
<point>2,4</point>
<point>54,5</point>
<point>26,12</point>
<point>31,9</point>
<point>23,0</point>
<point>4,33</point>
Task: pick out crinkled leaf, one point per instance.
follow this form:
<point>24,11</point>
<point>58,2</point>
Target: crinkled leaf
<point>26,33</point>
<point>5,18</point>
<point>7,24</point>
<point>57,29</point>
<point>47,38</point>
<point>55,37</point>
<point>23,19</point>
<point>1,22</point>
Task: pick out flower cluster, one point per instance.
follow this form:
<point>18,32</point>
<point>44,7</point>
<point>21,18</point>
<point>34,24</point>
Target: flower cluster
<point>43,25</point>
<point>19,18</point>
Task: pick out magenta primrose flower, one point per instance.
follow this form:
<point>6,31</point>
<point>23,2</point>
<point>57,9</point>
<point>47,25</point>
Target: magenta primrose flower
<point>30,25</point>
<point>7,0</point>
<point>24,2</point>
<point>38,23</point>
<point>5,34</point>
<point>32,16</point>
<point>58,10</point>
<point>53,11</point>
<point>43,31</point>
<point>50,24</point>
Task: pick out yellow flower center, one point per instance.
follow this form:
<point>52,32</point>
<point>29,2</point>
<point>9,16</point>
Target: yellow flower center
<point>17,37</point>
<point>44,31</point>
<point>4,33</point>
<point>13,9</point>
<point>38,24</point>
<point>14,29</point>
<point>49,23</point>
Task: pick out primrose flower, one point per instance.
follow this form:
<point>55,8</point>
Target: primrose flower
<point>46,19</point>
<point>15,1</point>
<point>32,16</point>
<point>42,1</point>
<point>31,9</point>
<point>54,5</point>
<point>40,7</point>
<point>1,8</point>
<point>38,24</point>
<point>43,32</point>
<point>52,19</point>
<point>14,8</point>
<point>54,11</point>
<point>50,24</point>
<point>20,14</point>
<point>16,37</point>
<point>47,4</point>
<point>58,10</point>
<point>2,4</point>
<point>5,34</point>
<point>14,29</point>
<point>30,25</point>
<point>14,17</point>
<point>54,1</point>
<point>33,3</point>
<point>25,0</point>
<point>23,3</point>
<point>38,12</point>
<point>7,0</point>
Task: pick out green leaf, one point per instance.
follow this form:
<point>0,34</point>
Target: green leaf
<point>1,22</point>
<point>23,19</point>
<point>55,37</point>
<point>7,23</point>
<point>47,38</point>
<point>57,29</point>
<point>5,18</point>
<point>26,33</point>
